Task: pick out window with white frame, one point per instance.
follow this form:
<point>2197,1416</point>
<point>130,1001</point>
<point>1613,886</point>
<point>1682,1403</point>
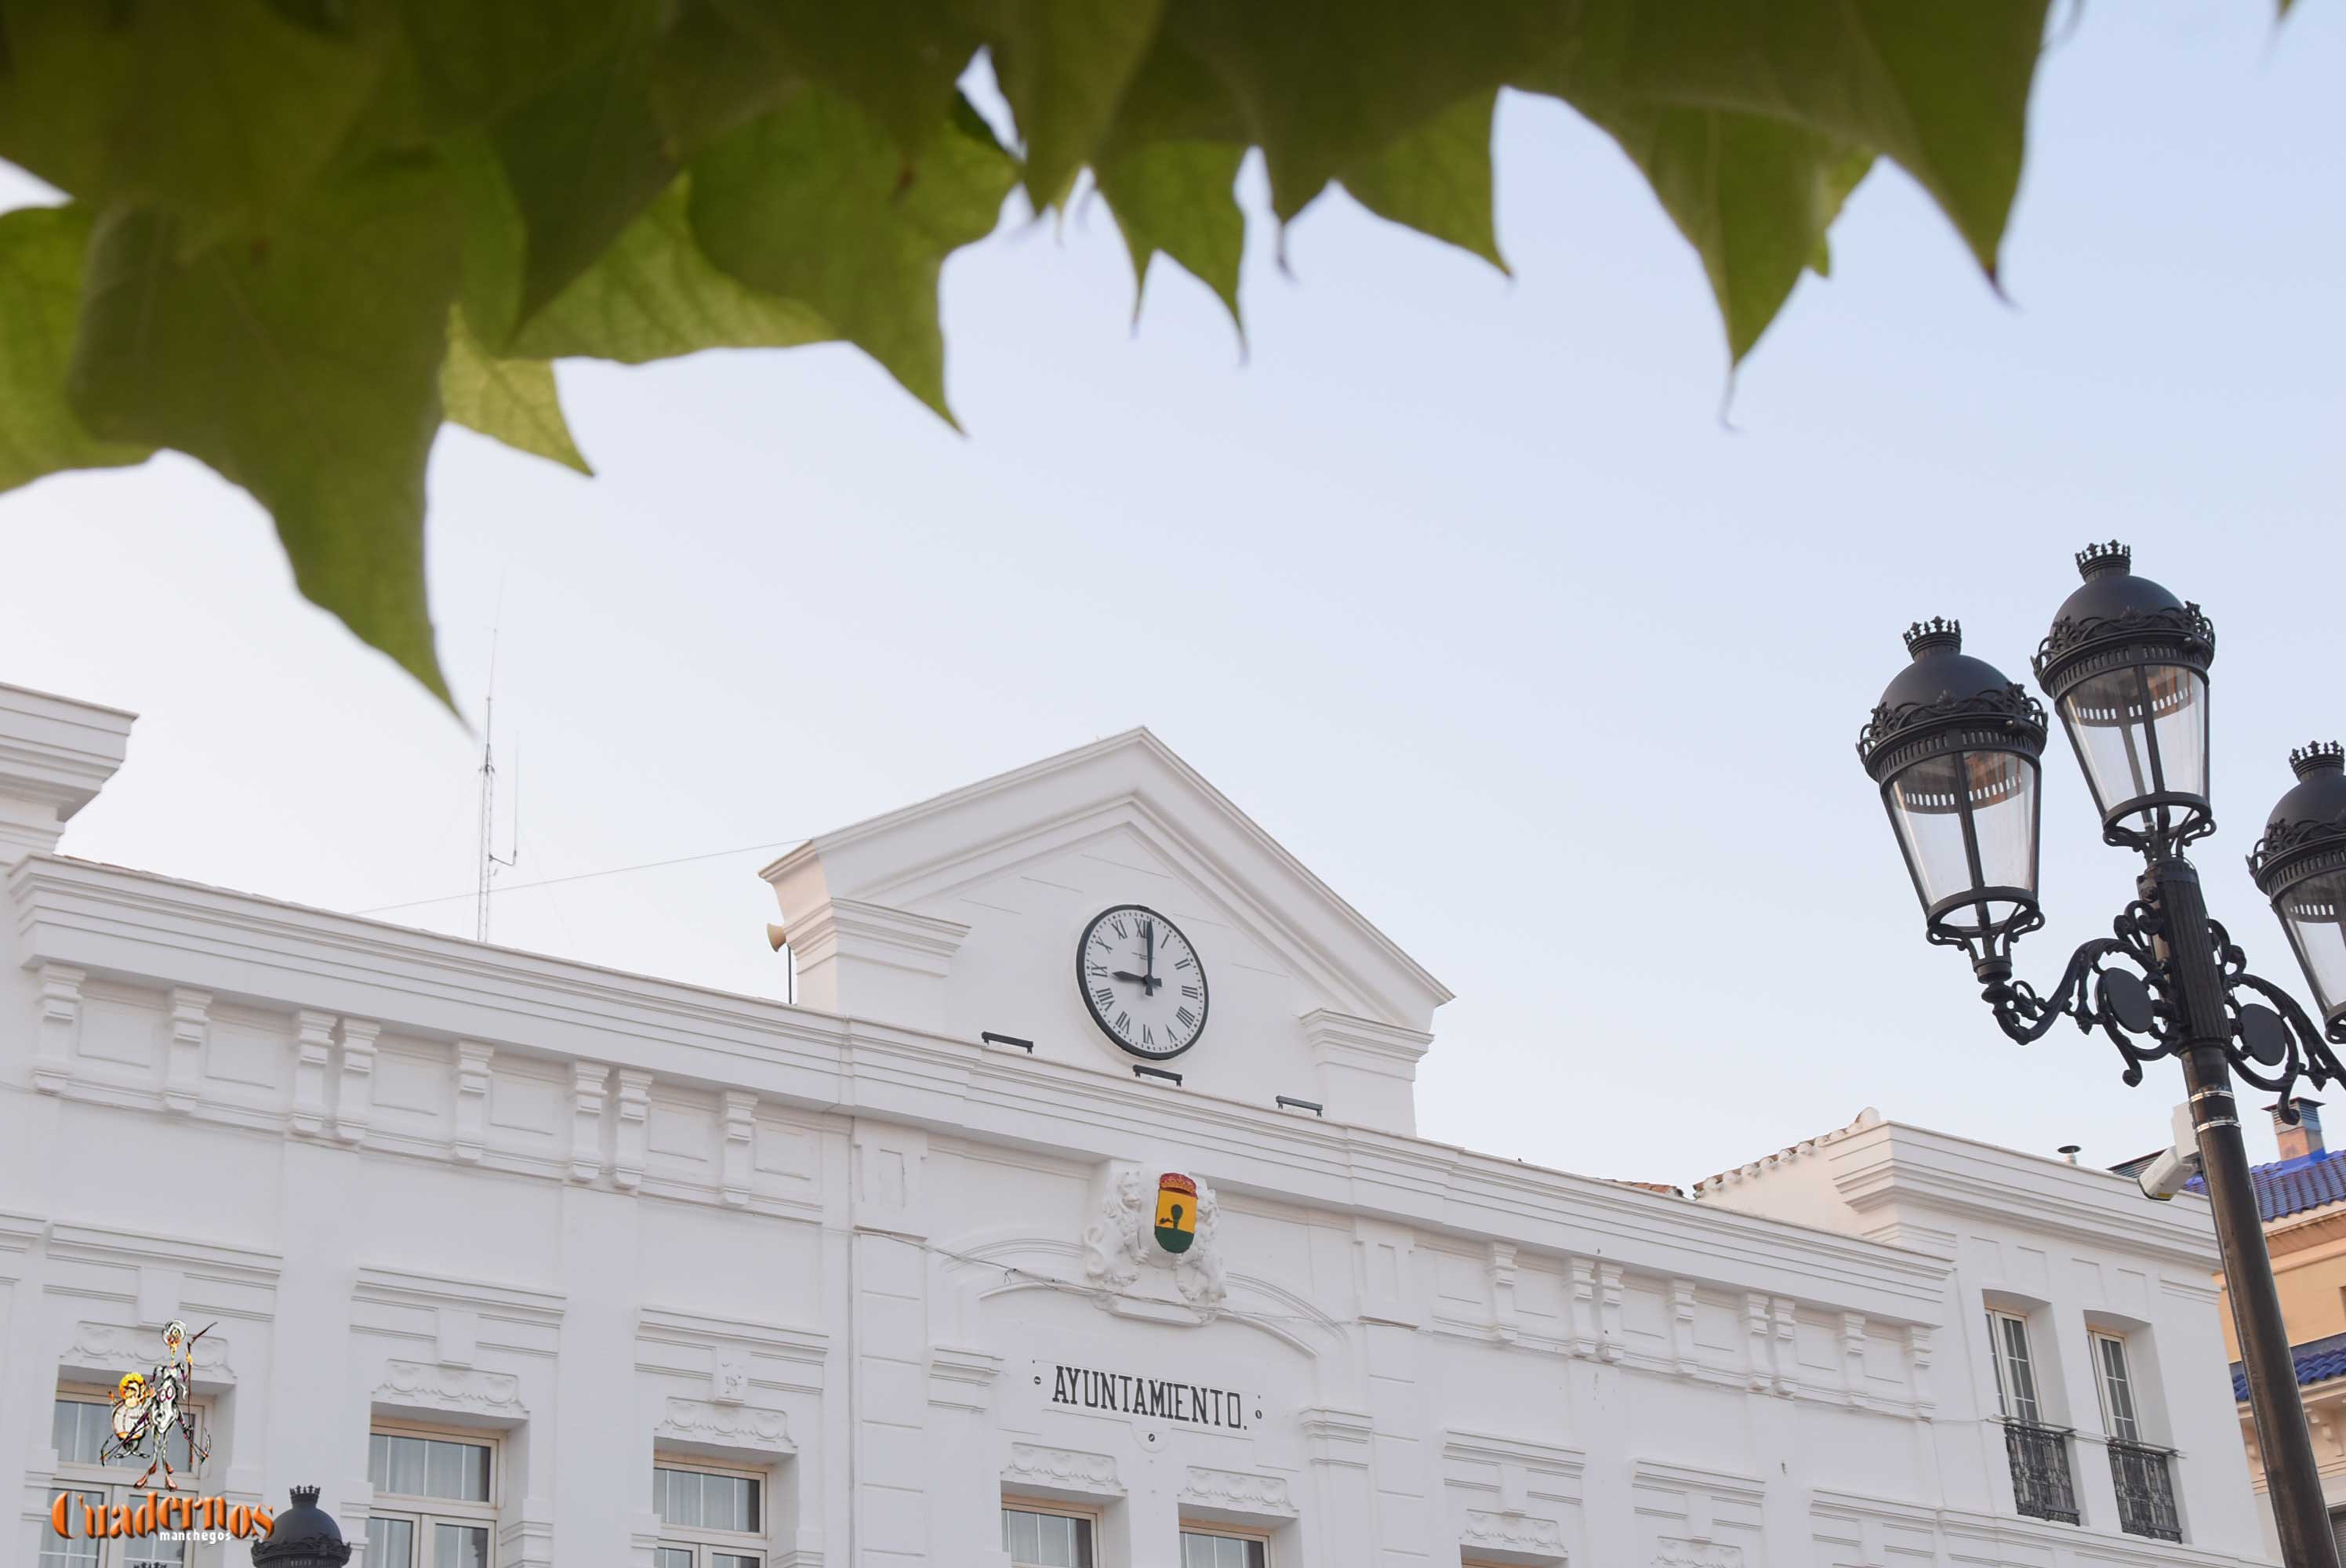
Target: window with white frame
<point>1041,1535</point>
<point>709,1517</point>
<point>1217,1546</point>
<point>2015,1368</point>
<point>2121,1418</point>
<point>436,1499</point>
<point>81,1426</point>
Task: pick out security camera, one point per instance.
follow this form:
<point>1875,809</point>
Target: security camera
<point>2172,1168</point>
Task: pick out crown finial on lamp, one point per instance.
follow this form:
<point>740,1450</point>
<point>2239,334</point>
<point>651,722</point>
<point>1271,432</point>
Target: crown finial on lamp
<point>2321,757</point>
<point>1938,632</point>
<point>2096,559</point>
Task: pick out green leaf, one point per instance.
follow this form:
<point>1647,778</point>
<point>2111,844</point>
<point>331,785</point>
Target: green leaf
<point>473,59</point>
<point>303,363</point>
<point>580,161</point>
<point>1942,89</point>
<point>1168,168</point>
<point>815,203</point>
<point>654,296</point>
<point>1753,196</point>
<point>40,289</point>
<point>1436,179</point>
<point>896,59</point>
<point>511,401</point>
<point>1178,198</point>
<point>1839,183</point>
<point>1063,65</point>
<point>1325,86</point>
<point>201,106</point>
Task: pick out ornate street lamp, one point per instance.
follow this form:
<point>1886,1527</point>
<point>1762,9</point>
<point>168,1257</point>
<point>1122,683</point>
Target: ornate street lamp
<point>304,1536</point>
<point>2301,865</point>
<point>1954,748</point>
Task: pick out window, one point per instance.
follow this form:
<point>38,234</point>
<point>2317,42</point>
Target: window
<point>2118,1415</point>
<point>2015,1370</point>
<point>1038,1536</point>
<point>435,1500</point>
<point>81,1424</point>
<point>708,1517</point>
<point>1223,1549</point>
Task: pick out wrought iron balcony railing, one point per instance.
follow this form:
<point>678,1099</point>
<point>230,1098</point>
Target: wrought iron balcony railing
<point>2041,1486</point>
<point>2145,1491</point>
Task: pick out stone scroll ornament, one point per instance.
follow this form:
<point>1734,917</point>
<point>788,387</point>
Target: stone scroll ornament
<point>1176,1212</point>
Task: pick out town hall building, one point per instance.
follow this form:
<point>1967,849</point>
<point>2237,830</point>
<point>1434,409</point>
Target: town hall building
<point>1074,1216</point>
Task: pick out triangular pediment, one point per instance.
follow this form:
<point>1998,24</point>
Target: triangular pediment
<point>962,914</point>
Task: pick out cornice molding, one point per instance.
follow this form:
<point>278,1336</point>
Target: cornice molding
<point>1348,1040</point>
<point>155,931</point>
<point>851,928</point>
<point>399,1287</point>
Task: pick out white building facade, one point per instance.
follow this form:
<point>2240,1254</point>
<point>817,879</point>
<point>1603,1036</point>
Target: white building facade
<point>526,1262</point>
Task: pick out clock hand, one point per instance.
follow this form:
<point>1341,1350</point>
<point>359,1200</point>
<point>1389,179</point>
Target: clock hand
<point>1149,983</point>
<point>1127,974</point>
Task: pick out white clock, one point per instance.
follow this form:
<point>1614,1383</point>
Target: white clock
<point>1141,981</point>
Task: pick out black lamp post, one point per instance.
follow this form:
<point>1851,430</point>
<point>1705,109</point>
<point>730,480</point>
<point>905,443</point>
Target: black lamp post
<point>1955,749</point>
<point>304,1536</point>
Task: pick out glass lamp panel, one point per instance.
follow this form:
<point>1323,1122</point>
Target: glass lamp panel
<point>2106,718</point>
<point>2178,713</point>
<point>2314,912</point>
<point>2003,788</point>
<point>1926,803</point>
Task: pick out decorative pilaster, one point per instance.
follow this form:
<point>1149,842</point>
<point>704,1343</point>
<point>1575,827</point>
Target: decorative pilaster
<point>60,1023</point>
<point>472,1098</point>
<point>635,1111</point>
<point>1788,1345</point>
<point>587,1090</point>
<point>1852,1356</point>
<point>1608,1297</point>
<point>740,1129</point>
<point>1759,1342</point>
<point>1682,1346</point>
<point>183,1065</point>
<point>355,1103</point>
<point>313,1046</point>
<point>1501,1265</point>
<point>1918,1357</point>
<point>1582,1306</point>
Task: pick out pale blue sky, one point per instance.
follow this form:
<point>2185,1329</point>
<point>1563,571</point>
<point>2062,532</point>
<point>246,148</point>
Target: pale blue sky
<point>1458,585</point>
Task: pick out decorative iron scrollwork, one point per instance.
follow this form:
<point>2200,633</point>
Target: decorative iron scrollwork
<point>2272,1041</point>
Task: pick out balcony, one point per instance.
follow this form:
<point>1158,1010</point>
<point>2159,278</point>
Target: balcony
<point>2041,1486</point>
<point>2145,1491</point>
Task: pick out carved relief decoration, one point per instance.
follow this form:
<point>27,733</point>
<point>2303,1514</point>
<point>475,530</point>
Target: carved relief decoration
<point>737,1426</point>
<point>467,1389</point>
<point>1070,1469</point>
<point>1697,1554</point>
<point>1119,1244</point>
<point>1239,1489</point>
<point>132,1349</point>
<point>1512,1533</point>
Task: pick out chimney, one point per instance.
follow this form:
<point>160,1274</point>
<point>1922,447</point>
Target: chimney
<point>2305,1138</point>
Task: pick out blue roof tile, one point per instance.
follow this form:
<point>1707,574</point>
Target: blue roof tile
<point>2317,1360</point>
<point>2291,1186</point>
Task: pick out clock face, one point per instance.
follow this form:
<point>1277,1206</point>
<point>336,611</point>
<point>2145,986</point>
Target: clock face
<point>1142,981</point>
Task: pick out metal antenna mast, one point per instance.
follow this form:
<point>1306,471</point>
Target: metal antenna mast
<point>490,859</point>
